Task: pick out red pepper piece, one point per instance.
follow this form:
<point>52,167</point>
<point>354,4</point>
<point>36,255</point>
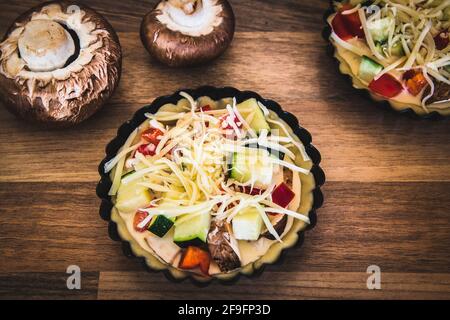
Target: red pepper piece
<point>353,22</point>
<point>227,128</point>
<point>339,27</point>
<point>347,26</point>
<point>282,195</point>
<point>152,135</point>
<point>386,85</point>
<point>415,81</point>
<point>252,192</point>
<point>194,257</point>
<point>205,108</point>
<point>147,149</point>
<point>441,40</point>
<point>226,119</point>
<point>139,216</point>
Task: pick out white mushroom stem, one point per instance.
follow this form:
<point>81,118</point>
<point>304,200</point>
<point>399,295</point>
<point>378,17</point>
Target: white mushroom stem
<point>193,18</point>
<point>45,45</point>
<point>188,6</point>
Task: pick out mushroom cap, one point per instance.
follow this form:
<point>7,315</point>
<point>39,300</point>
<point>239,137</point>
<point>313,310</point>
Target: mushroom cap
<point>221,248</point>
<point>34,85</point>
<point>441,92</point>
<point>279,223</point>
<point>176,45</point>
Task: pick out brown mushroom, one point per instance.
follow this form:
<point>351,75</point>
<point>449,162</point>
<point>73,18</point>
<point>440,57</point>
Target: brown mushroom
<point>188,32</point>
<point>279,222</point>
<point>223,247</point>
<point>441,92</point>
<point>59,63</point>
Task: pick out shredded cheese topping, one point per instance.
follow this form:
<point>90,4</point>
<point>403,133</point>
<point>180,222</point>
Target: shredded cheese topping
<point>188,175</point>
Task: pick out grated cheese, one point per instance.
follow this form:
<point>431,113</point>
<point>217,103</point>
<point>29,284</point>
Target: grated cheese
<point>362,17</point>
<point>347,45</point>
<point>412,57</point>
<point>119,167</point>
<point>189,167</point>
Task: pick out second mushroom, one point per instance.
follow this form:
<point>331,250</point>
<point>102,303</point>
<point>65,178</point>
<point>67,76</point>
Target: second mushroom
<point>188,32</point>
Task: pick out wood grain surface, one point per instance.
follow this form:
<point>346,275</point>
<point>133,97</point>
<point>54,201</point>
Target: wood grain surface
<point>387,195</point>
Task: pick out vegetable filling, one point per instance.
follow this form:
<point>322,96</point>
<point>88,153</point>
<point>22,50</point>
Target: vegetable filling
<point>397,49</point>
<point>206,180</point>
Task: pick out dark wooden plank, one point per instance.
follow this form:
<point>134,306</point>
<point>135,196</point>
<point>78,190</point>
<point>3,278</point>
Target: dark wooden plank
<point>402,227</point>
<point>126,16</point>
<point>46,285</point>
<point>47,227</point>
<point>278,285</point>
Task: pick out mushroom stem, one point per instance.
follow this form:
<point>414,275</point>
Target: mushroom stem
<point>45,45</point>
<point>188,6</point>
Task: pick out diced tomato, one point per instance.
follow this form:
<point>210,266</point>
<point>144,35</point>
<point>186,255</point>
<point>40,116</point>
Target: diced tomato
<point>250,191</point>
<point>152,135</point>
<point>415,81</point>
<point>347,26</point>
<point>225,125</point>
<point>147,149</point>
<point>386,85</point>
<point>205,108</point>
<point>441,40</point>
<point>225,122</point>
<point>194,257</point>
<point>340,28</point>
<point>353,22</point>
<point>139,216</point>
<point>282,195</point>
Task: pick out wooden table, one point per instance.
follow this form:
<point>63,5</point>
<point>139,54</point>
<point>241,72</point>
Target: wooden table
<point>387,195</point>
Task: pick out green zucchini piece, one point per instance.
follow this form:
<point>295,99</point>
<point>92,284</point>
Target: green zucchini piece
<point>253,165</point>
<point>273,152</point>
<point>379,28</point>
<point>160,225</point>
<point>368,69</point>
<point>132,196</point>
<point>192,232</point>
<point>258,122</point>
<point>247,224</point>
<point>447,13</point>
<point>397,49</point>
<point>127,174</point>
<point>381,48</point>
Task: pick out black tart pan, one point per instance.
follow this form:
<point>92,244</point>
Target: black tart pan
<point>215,94</point>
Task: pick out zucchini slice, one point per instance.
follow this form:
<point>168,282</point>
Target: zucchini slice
<point>253,165</point>
<point>379,28</point>
<point>193,232</point>
<point>368,69</point>
<point>247,224</point>
<point>258,121</point>
<point>160,225</point>
<point>132,196</point>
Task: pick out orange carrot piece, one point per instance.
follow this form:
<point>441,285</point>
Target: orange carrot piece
<point>194,257</point>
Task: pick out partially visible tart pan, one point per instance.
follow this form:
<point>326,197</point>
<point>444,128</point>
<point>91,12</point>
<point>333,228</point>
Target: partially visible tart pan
<point>250,211</point>
<point>399,55</point>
